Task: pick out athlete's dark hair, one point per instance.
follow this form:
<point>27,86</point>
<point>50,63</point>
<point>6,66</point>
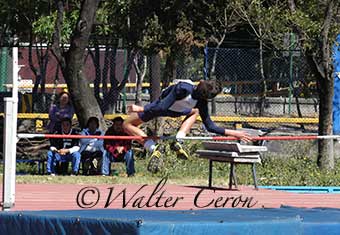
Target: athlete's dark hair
<point>208,89</point>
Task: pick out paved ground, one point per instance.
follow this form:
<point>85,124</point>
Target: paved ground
<point>61,197</point>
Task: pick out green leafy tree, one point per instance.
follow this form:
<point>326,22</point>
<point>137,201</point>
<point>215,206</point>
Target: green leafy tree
<point>126,21</point>
<point>17,19</point>
<point>212,22</point>
<point>316,24</point>
<point>71,59</point>
<point>40,41</point>
<point>8,21</point>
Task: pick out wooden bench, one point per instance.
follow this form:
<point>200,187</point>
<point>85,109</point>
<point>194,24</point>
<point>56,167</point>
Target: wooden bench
<point>233,153</point>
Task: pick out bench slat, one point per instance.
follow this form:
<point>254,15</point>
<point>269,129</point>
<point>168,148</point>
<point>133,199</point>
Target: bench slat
<point>204,152</point>
<point>233,146</point>
<point>231,159</point>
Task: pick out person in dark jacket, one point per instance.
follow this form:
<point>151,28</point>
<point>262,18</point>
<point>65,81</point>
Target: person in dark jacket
<point>117,150</point>
<point>64,149</point>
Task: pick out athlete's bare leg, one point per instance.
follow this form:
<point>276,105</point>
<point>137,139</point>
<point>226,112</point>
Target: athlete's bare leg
<point>131,124</point>
<point>189,121</point>
<point>183,131</point>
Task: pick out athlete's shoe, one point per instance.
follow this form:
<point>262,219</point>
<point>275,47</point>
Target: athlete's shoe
<point>180,152</point>
<point>156,161</point>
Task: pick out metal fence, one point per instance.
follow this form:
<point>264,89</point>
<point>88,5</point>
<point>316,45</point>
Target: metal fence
<point>277,86</point>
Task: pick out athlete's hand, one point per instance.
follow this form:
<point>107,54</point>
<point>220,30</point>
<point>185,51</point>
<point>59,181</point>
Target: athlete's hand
<point>242,135</point>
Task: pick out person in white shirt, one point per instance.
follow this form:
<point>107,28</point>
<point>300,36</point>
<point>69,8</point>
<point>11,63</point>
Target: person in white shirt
<point>64,149</point>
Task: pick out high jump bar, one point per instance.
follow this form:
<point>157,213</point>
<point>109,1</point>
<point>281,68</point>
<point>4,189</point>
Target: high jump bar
<point>217,138</point>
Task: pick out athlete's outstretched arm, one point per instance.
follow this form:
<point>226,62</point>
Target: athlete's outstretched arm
<point>212,127</point>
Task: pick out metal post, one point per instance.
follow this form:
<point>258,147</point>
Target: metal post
<point>210,172</point>
<point>9,155</point>
<point>10,138</point>
<point>254,175</point>
<point>124,89</point>
<point>231,175</point>
<point>291,48</point>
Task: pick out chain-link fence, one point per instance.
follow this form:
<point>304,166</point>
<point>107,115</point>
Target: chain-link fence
<point>277,85</point>
<point>274,84</point>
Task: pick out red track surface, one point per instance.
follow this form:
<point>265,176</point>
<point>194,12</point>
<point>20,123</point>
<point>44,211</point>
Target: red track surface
<point>63,197</point>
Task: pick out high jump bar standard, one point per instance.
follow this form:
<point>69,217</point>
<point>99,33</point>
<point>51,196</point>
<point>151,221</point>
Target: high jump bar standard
<point>217,138</point>
<point>10,137</point>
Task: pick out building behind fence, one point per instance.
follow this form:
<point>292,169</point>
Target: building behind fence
<point>279,86</point>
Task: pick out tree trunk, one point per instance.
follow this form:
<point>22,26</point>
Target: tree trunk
<point>212,68</point>
<point>325,83</point>
<point>155,77</point>
<point>95,55</point>
<point>263,78</point>
<point>55,85</point>
<point>170,69</point>
<point>84,102</point>
<point>105,72</point>
<point>109,101</point>
<point>131,55</point>
<point>326,152</point>
<point>39,98</point>
<point>157,123</point>
<point>140,68</point>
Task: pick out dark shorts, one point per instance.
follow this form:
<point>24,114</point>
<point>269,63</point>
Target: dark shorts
<point>147,116</point>
<point>151,113</point>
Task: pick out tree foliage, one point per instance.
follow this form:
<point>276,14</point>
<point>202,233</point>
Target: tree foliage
<point>44,27</point>
<point>316,23</point>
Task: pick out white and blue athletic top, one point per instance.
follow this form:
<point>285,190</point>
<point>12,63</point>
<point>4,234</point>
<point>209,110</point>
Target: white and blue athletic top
<point>179,100</point>
<point>186,103</point>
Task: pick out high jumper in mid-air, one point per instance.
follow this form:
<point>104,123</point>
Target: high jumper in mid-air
<point>184,98</point>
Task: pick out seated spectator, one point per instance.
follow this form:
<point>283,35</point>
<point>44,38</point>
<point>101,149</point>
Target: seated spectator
<point>91,149</point>
<point>63,109</point>
<point>117,150</point>
<point>64,149</point>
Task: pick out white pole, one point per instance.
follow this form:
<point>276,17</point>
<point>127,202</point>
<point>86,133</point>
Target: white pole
<point>9,154</point>
<point>10,140</point>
